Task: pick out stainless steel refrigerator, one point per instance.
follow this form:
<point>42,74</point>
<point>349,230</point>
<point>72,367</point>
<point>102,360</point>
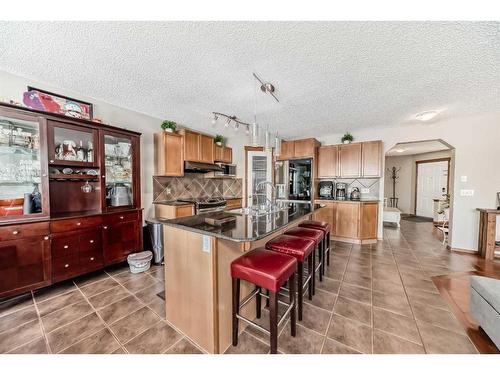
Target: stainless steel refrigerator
<point>293,179</point>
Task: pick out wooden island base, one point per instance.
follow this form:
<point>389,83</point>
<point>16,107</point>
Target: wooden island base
<point>198,284</point>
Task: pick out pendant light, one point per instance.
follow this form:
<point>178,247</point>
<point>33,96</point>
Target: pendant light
<point>255,134</point>
<point>277,145</point>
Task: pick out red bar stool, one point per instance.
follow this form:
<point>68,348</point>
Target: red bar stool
<point>317,236</point>
<point>325,227</point>
<point>269,270</point>
<point>301,249</point>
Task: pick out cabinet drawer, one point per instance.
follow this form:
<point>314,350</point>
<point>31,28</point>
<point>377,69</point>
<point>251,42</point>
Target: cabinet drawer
<point>65,267</point>
<point>90,241</point>
<point>75,224</point>
<point>13,232</point>
<point>121,217</point>
<point>64,246</point>
<point>90,260</point>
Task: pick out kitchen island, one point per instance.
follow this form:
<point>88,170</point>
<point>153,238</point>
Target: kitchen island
<point>197,268</point>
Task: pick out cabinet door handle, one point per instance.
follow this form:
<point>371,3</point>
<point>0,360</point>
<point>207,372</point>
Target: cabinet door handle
<point>65,246</point>
<point>66,265</point>
<point>91,258</point>
<point>104,227</point>
<point>51,161</point>
<point>91,241</point>
<point>121,217</point>
<point>78,224</point>
<point>103,176</point>
<point>15,232</point>
<point>46,238</point>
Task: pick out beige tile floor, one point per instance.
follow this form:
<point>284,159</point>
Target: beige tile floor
<point>375,299</point>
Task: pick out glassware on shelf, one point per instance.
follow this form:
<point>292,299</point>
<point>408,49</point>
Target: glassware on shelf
<point>20,167</point>
<point>72,145</point>
<point>118,166</point>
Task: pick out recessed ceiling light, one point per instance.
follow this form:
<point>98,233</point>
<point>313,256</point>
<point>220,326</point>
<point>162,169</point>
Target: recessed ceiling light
<point>426,116</point>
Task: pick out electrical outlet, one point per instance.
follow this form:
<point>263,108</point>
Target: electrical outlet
<point>365,191</point>
<point>168,190</point>
<point>466,193</point>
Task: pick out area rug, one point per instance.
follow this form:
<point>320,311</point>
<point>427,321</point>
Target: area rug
<point>416,219</point>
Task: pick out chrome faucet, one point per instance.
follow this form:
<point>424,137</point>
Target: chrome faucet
<point>272,201</point>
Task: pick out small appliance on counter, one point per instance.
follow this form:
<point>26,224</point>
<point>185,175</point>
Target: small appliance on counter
<point>341,191</point>
<point>326,189</point>
<point>355,194</point>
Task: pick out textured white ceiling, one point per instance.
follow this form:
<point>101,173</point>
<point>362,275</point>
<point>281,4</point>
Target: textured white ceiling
<point>414,148</point>
<point>330,76</point>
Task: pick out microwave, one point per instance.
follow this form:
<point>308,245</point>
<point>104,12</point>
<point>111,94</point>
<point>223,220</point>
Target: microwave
<point>228,170</point>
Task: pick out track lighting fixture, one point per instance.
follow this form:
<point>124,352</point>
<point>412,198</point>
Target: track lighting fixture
<point>216,117</point>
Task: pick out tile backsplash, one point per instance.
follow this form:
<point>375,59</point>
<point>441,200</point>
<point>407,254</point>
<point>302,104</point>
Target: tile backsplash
<point>195,186</point>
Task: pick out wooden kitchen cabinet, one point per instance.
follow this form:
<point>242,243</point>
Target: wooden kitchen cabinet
<point>122,235</point>
<point>169,154</point>
<point>326,213</point>
<point>24,258</point>
<point>368,221</point>
<point>167,211</point>
<point>328,165</point>
<point>206,149</point>
<point>298,149</point>
<point>227,155</point>
<point>223,154</point>
<point>347,220</point>
<point>191,145</point>
<point>350,160</point>
<point>233,203</point>
<point>371,153</point>
<point>287,150</point>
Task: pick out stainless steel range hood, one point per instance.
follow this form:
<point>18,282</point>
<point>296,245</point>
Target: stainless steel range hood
<point>195,167</point>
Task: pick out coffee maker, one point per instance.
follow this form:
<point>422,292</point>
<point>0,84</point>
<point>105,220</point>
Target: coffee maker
<point>341,191</point>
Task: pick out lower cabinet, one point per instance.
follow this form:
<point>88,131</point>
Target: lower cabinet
<point>122,235</point>
<point>24,261</point>
<point>39,254</point>
<point>354,222</point>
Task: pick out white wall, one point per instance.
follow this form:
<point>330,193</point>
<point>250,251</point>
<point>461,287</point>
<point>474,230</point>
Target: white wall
<point>477,156</point>
<point>12,87</point>
<point>405,184</point>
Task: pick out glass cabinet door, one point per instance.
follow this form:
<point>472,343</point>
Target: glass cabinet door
<point>23,170</point>
<point>119,167</point>
<point>70,145</point>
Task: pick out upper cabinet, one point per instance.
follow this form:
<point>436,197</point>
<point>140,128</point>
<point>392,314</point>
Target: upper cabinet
<point>169,154</point>
<point>198,147</point>
<point>371,153</point>
<point>24,189</point>
<point>298,149</point>
<point>223,154</point>
<point>206,149</point>
<point>350,160</point>
<point>362,159</point>
<point>120,163</point>
<point>328,161</point>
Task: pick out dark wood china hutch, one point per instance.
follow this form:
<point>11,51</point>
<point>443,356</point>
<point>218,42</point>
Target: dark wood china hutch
<point>70,199</point>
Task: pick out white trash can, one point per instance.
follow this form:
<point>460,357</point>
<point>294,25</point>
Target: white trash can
<point>140,262</point>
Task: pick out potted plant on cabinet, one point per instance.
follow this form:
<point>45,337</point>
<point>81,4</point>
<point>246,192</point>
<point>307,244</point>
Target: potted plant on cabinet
<point>347,138</point>
<point>219,139</point>
<point>169,126</point>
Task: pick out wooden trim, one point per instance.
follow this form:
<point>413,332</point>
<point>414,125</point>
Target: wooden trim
<point>247,149</point>
<point>459,250</point>
<point>417,162</point>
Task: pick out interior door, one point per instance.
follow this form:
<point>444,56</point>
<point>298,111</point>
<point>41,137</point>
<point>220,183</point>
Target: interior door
<point>259,169</point>
<point>432,178</point>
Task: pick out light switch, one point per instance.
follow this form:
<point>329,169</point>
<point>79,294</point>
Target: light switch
<point>463,178</point>
<point>207,244</point>
<point>466,193</point>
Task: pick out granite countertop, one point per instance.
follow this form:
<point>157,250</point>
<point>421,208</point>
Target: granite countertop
<point>362,200</point>
<point>246,227</point>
